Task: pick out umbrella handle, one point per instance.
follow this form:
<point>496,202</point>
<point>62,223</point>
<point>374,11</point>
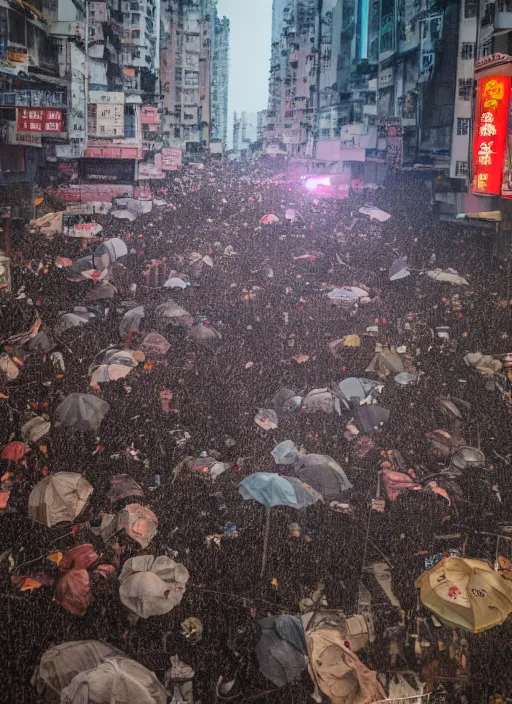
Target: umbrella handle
<point>265,542</point>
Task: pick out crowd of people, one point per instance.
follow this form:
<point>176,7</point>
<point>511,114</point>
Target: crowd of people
<point>268,290</point>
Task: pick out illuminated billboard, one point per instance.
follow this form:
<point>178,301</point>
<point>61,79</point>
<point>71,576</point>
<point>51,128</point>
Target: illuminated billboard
<point>490,134</point>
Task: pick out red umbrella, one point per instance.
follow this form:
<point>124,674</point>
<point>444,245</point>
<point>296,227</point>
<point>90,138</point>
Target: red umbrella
<point>14,451</point>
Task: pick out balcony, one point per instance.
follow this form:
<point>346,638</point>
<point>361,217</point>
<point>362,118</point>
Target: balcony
<point>34,99</point>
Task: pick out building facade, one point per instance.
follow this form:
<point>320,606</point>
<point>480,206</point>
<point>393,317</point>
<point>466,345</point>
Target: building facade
<point>367,85</point>
<point>245,131</point>
<point>220,82</point>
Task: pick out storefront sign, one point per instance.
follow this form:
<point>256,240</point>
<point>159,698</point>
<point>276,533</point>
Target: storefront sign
<point>113,153</point>
<point>18,56</point>
<point>151,170</point>
<point>149,115</point>
<point>33,120</point>
<point>490,134</point>
<point>171,159</point>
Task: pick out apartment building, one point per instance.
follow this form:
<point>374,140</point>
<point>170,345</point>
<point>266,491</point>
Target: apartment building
<point>366,85</point>
<point>245,131</point>
<point>220,82</point>
<point>194,65</point>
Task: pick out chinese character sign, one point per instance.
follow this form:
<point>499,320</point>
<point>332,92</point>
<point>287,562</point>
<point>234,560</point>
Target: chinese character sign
<point>490,134</point>
<point>35,120</point>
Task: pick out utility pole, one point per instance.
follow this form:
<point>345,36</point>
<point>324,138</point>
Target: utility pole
<point>316,131</point>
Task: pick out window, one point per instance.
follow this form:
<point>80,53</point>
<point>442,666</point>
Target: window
<point>135,34</point>
<point>461,168</point>
<point>467,50</point>
<point>16,28</point>
<point>325,132</point>
<point>462,125</point>
<point>289,113</point>
<point>135,18</point>
<point>470,7</point>
<point>288,125</point>
<point>465,88</point>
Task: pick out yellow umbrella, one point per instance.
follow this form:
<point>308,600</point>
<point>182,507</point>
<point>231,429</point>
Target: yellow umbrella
<point>466,593</point>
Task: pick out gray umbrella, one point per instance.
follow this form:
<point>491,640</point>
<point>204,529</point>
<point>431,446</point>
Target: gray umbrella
<point>79,316</point>
<point>131,320</point>
<point>399,269</point>
<point>322,473</point>
<point>368,418</point>
<point>281,650</point>
<point>81,411</point>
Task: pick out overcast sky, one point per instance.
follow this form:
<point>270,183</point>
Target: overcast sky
<point>249,48</point>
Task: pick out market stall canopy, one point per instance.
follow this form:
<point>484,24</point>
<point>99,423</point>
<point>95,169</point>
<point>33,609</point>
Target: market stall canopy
<point>59,497</point>
<point>152,586</point>
<point>81,411</point>
<point>466,593</point>
<point>131,320</point>
<point>59,665</point>
<point>281,650</point>
<point>274,490</point>
<point>108,252</point>
<point>117,679</point>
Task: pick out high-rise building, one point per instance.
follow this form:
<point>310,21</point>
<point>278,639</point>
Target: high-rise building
<point>245,131</point>
<point>220,82</point>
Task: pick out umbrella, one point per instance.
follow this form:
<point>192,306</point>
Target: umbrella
<point>156,343</point>
<point>81,411</point>
<point>117,679</point>
<point>131,320</point>
<point>274,490</point>
<point>347,293</point>
<point>369,418</point>
<point>85,230</point>
<point>122,486</point>
<point>448,276</point>
<point>14,451</point>
<point>8,367</point>
<point>323,474</point>
<point>320,400</point>
<point>108,372</point>
<point>79,316</point>
<point>62,262</point>
<point>40,343</point>
<point>374,213</point>
<point>203,331</point>
<point>152,586</point>
<point>466,593</point>
<point>399,269</point>
<point>84,268</point>
<point>285,452</point>
<point>286,401</point>
<point>170,309</point>
<point>108,253</point>
<point>59,497</point>
<point>266,418</point>
<point>281,650</point>
<point>34,429</point>
<point>59,665</point>
<point>103,291</point>
<point>114,355</point>
<point>176,282</point>
<point>358,390</point>
<point>73,589</point>
<point>386,361</point>
<point>139,522</point>
<point>269,219</point>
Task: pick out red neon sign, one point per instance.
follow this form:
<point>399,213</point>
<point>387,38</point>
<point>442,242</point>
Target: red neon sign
<point>36,120</point>
<point>490,134</point>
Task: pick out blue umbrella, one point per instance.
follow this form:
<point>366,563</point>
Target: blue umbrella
<point>273,490</point>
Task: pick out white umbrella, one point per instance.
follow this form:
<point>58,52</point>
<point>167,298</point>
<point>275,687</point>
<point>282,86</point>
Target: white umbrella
<point>399,269</point>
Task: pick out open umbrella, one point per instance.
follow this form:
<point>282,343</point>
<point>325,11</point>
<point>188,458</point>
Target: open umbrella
<point>59,497</point>
<point>103,291</point>
<point>81,411</point>
<point>323,474</point>
<point>466,593</point>
<point>117,679</point>
<point>269,219</point>
<point>108,253</point>
<point>83,268</point>
<point>274,490</point>
<point>281,650</point>
<point>357,391</point>
<point>131,320</point>
<point>108,372</point>
<point>347,293</point>
<point>152,586</point>
<point>14,451</point>
<point>171,310</point>
<point>155,343</point>
<point>374,213</point>
<point>122,486</point>
<point>59,665</point>
<point>204,332</point>
<point>399,269</point>
<point>35,428</point>
<point>79,316</point>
